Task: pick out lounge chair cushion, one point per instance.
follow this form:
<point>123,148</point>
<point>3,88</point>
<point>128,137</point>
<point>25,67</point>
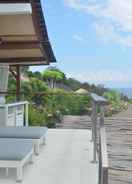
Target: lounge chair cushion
<point>14,149</point>
<point>23,132</point>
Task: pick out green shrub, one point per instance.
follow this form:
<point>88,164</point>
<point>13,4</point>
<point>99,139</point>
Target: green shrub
<point>116,102</point>
<point>43,117</point>
<point>36,117</point>
<point>68,103</point>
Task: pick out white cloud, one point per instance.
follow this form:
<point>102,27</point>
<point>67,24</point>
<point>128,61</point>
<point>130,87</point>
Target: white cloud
<point>120,12</point>
<point>102,76</point>
<point>117,14</point>
<point>82,6</point>
<point>78,37</point>
<point>107,32</point>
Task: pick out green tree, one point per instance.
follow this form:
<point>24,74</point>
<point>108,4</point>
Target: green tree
<point>36,75</point>
<point>33,89</point>
<point>73,84</point>
<point>52,76</point>
<point>112,96</point>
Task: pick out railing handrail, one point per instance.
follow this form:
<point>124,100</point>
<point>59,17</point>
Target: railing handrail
<point>103,157</point>
<point>99,99</point>
<point>103,143</point>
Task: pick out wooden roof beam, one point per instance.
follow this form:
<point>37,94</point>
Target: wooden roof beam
<point>20,45</point>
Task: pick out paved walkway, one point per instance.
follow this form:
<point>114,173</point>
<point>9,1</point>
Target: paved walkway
<point>75,122</point>
<point>66,159</point>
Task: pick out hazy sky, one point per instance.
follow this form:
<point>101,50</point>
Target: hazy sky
<point>92,39</point>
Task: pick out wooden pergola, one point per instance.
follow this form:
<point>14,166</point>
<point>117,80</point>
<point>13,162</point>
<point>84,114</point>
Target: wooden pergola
<point>23,36</point>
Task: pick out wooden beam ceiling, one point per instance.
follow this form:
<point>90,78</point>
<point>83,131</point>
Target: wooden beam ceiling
<point>42,41</point>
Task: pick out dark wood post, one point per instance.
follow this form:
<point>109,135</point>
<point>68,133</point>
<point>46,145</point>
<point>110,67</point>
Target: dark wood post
<point>18,83</point>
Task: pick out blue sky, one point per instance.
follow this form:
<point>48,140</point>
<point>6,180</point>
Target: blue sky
<point>92,39</point>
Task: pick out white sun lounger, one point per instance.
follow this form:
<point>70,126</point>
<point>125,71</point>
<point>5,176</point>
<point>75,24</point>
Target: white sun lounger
<point>15,153</point>
<point>36,134</point>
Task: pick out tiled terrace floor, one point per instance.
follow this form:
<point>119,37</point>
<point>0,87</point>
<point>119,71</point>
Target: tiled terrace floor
<point>66,159</point>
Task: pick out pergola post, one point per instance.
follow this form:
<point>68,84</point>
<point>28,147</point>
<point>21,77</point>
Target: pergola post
<point>18,83</point>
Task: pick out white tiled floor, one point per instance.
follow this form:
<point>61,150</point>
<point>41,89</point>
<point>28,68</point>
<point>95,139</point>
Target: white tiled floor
<point>66,159</point>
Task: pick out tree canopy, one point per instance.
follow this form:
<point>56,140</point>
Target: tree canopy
<point>53,75</point>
